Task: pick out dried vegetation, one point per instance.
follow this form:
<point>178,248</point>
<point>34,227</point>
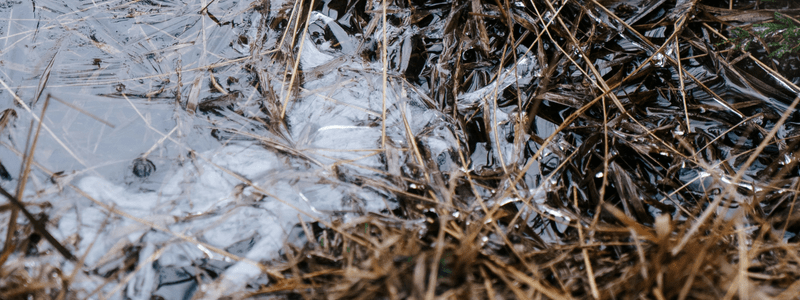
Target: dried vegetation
<point>646,158</point>
<point>649,158</point>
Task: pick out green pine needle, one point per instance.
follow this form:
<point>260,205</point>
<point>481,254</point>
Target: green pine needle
<point>783,35</point>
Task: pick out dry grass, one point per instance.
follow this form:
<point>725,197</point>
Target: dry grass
<point>638,169</point>
<point>626,225</point>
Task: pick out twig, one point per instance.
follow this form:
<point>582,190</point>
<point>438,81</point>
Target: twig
<point>296,63</point>
<point>38,226</point>
<point>385,64</point>
<point>585,252</point>
<point>88,114</point>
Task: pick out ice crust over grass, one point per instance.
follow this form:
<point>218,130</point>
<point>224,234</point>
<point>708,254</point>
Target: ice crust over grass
<point>312,167</point>
<point>212,206</point>
<point>205,198</point>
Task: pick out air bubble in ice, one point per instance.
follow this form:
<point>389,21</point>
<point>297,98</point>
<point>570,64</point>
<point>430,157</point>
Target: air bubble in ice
<point>143,167</point>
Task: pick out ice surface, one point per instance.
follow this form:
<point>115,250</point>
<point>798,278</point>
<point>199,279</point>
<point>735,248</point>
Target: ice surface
<point>196,90</point>
<point>224,179</point>
<point>521,73</point>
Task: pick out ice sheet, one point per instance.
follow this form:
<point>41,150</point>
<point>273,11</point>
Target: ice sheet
<point>187,93</point>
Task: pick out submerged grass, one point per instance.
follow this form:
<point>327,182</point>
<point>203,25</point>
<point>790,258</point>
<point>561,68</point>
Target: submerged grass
<point>641,159</point>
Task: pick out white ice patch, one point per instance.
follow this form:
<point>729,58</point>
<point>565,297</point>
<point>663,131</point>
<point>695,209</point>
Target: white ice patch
<point>198,188</point>
<point>116,196</point>
<point>311,57</point>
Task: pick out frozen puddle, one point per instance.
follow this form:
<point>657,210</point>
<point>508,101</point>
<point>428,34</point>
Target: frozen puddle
<point>338,136</point>
<point>307,173</point>
<point>232,179</point>
<point>202,200</point>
